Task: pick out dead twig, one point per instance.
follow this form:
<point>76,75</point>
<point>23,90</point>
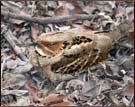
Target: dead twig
<point>2,66</point>
<point>100,89</point>
<point>9,37</point>
<point>131,100</point>
<point>15,92</point>
<point>56,19</point>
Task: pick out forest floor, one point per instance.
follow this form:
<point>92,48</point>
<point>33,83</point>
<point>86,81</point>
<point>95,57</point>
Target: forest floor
<point>108,84</point>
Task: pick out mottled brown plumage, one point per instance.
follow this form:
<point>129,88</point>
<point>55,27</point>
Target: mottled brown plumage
<point>62,53</point>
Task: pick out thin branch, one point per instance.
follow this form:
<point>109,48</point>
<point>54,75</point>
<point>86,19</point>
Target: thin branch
<point>47,20</point>
<point>3,64</point>
<point>9,37</point>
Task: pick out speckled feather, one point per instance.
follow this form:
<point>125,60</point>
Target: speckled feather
<point>60,54</point>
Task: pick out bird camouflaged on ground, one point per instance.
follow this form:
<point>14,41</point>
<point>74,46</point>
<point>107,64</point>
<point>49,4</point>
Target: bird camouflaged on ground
<point>60,54</point>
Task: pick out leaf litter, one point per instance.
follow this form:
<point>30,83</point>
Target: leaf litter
<point>110,84</point>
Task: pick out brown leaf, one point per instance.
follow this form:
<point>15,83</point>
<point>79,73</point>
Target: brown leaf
<point>34,31</point>
<point>17,28</point>
<point>128,90</point>
<point>33,91</point>
<point>61,11</point>
<point>52,99</point>
<point>78,8</point>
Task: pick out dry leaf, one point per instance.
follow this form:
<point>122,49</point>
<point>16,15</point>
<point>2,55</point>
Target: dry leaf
<point>128,90</point>
<point>11,64</point>
<point>74,85</point>
<point>34,31</point>
<point>17,28</point>
<point>23,69</point>
<point>20,62</point>
<point>33,91</point>
<point>78,8</point>
<point>56,100</point>
<point>61,11</point>
<point>21,101</point>
<point>9,98</point>
<point>52,99</point>
<point>93,88</point>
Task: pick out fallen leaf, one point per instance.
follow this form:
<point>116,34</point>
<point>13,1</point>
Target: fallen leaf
<point>99,6</point>
<point>34,31</point>
<point>128,90</point>
<point>11,80</point>
<point>21,101</point>
<point>61,11</point>
<point>11,64</point>
<point>74,84</point>
<point>93,88</point>
<point>128,79</point>
<point>23,69</point>
<point>17,28</point>
<point>112,67</point>
<point>78,8</point>
<point>52,99</point>
<point>33,91</point>
<point>130,12</point>
<point>20,62</point>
